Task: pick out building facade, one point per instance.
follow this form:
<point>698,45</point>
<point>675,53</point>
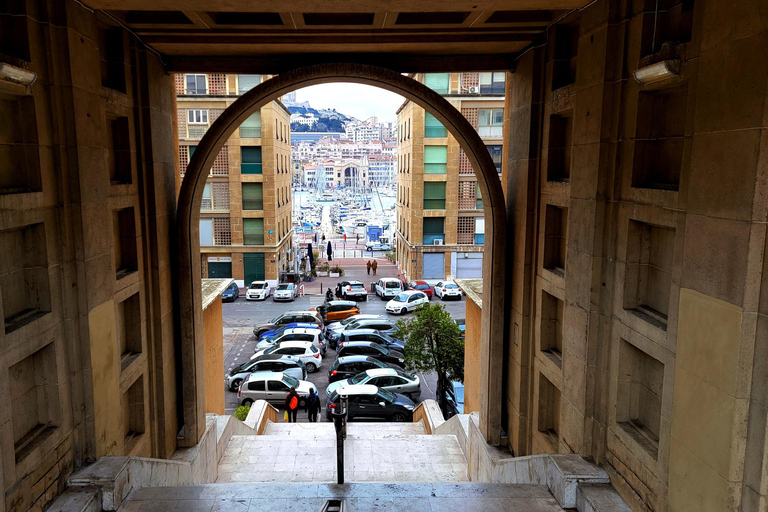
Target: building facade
<point>245,225</point>
<point>440,223</point>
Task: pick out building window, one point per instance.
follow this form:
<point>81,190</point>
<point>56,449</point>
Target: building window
<point>566,52</point>
<point>14,37</point>
<point>251,159</point>
<point>479,198</point>
<point>221,195</point>
<point>251,127</point>
<point>555,239</point>
<point>638,404</point>
<point>129,334</point>
<point>434,229</point>
<point>119,150</point>
<point>465,232</point>
<point>207,202</point>
<point>496,155</point>
<point>247,82</point>
<point>648,274</point>
<point>492,83</point>
<point>253,196</point>
<point>112,57</point>
<point>196,84</point>
<point>671,24</point>
<point>222,231</point>
<point>134,414</point>
<point>434,195</point>
<point>197,116</point>
<point>549,411</point>
<point>435,159</point>
<point>551,331</point>
<point>206,232</point>
<point>559,151</point>
<point>126,254</point>
<point>432,127</point>
<point>479,230</point>
<point>19,153</point>
<point>490,122</point>
<point>438,82</point>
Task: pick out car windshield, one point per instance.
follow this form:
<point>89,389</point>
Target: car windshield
<point>386,395</point>
<point>383,350</point>
<point>450,286</point>
<point>459,390</point>
<point>290,381</point>
<point>276,319</point>
<point>422,287</point>
<point>352,325</point>
<point>284,286</point>
<point>359,378</point>
<point>347,321</point>
<point>392,284</point>
<point>402,297</point>
<point>378,363</point>
<point>388,338</point>
<point>407,375</point>
<point>257,286</point>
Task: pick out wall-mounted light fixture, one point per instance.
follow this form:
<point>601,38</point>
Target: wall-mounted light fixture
<point>15,75</point>
<point>658,72</point>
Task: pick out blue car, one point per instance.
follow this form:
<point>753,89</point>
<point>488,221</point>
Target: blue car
<point>279,330</point>
<point>231,293</point>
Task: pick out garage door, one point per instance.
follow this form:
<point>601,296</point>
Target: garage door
<point>469,265</point>
<point>253,266</point>
<point>433,265</point>
<point>219,270</point>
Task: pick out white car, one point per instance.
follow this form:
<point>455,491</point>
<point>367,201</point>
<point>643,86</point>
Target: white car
<point>377,246</point>
<point>388,287</point>
<point>272,387</point>
<point>285,291</point>
<point>315,335</point>
<point>354,290</point>
<point>258,290</point>
<point>305,351</point>
<point>406,301</point>
<point>447,290</point>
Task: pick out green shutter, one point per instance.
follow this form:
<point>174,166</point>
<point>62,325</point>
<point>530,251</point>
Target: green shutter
<point>253,196</point>
<point>253,267</point>
<point>250,159</point>
<point>435,159</point>
<point>251,127</point>
<point>434,195</point>
<point>253,231</point>
<point>432,127</point>
<point>438,82</point>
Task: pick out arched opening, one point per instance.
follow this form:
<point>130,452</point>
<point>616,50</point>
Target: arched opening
<point>188,215</point>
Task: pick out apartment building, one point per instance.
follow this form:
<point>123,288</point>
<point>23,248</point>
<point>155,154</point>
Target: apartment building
<point>245,221</point>
<point>440,223</point>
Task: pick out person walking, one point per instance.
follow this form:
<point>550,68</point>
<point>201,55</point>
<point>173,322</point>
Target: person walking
<point>368,266</point>
<point>357,239</point>
<point>292,405</point>
<point>313,406</point>
<point>374,265</point>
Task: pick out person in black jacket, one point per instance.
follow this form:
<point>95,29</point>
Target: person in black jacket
<point>313,406</point>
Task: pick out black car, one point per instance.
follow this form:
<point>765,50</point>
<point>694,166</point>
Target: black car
<point>369,348</point>
<point>368,401</point>
<point>385,340</point>
<point>349,366</point>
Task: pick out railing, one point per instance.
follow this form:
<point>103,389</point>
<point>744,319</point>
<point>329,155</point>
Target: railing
<point>250,133</point>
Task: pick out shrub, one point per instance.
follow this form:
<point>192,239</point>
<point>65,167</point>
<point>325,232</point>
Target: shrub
<point>337,269</point>
<point>242,412</point>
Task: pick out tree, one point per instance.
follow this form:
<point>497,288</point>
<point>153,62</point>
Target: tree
<point>433,343</point>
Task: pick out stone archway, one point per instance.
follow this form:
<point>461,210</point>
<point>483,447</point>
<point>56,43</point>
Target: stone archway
<point>188,217</point>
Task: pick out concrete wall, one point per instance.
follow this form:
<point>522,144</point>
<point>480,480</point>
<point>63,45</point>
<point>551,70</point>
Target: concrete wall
<point>213,340</point>
<point>87,349</point>
<point>644,350</point>
<point>472,362</point>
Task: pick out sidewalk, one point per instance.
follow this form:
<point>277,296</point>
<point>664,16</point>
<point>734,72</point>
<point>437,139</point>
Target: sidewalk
<point>354,269</point>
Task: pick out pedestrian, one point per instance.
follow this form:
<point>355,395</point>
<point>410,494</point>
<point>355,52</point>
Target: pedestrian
<point>345,237</point>
<point>292,405</point>
<point>368,266</point>
<point>374,265</point>
<point>313,406</point>
<point>357,238</point>
<point>323,237</point>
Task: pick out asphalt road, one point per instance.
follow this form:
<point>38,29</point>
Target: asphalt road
<point>239,342</point>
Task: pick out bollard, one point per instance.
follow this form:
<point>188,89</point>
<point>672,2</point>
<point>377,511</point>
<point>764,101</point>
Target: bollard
<point>321,287</point>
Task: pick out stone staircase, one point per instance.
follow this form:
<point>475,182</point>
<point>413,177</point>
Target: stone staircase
<point>374,452</point>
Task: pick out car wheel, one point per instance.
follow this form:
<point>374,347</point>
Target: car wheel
<point>311,368</point>
<point>247,402</point>
<point>236,384</point>
<point>382,297</point>
<point>398,416</point>
<point>403,311</point>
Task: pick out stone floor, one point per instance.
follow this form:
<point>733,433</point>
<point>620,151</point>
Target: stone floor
<point>370,497</point>
<point>374,452</point>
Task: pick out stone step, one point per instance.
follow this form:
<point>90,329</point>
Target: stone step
<point>404,458</point>
<point>303,497</point>
<point>354,430</point>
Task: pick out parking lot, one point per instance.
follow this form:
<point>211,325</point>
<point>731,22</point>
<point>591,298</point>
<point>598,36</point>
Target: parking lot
<point>239,342</point>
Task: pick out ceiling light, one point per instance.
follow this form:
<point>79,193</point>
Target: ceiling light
<point>16,75</point>
<point>658,72</point>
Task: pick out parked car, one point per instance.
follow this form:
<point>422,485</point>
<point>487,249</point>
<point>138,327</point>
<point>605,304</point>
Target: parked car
<point>272,387</point>
<point>349,366</point>
<point>455,399</point>
<point>313,335</point>
<point>279,330</point>
<point>305,351</point>
<point>231,293</point>
<point>384,325</point>
<point>285,291</point>
<point>258,290</point>
<point>396,381</point>
<point>421,286</point>
<point>354,290</point>
<point>406,301</point>
<point>338,326</point>
<point>287,318</point>
<point>447,290</point>
<point>267,363</point>
<point>462,326</point>
<point>369,348</point>
<point>336,310</point>
<point>385,340</point>
<point>388,287</point>
<point>372,402</point>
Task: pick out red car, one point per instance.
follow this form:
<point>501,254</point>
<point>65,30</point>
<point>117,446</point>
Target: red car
<point>422,286</point>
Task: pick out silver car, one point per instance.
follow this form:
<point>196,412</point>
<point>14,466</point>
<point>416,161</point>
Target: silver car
<point>396,381</point>
<point>272,387</point>
<point>284,291</point>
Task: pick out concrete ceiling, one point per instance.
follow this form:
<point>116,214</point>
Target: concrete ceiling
<point>271,36</point>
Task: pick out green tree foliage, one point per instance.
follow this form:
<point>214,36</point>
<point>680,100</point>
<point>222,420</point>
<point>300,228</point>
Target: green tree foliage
<point>433,343</point>
<point>242,412</point>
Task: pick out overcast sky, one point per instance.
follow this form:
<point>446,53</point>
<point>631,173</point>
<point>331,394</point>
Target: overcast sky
<point>357,100</point>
